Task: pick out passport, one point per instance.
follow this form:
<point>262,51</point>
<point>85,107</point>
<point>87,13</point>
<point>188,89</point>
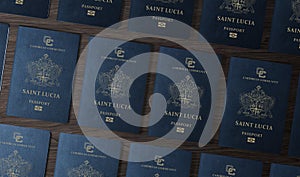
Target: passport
<point>161,16</point>
<point>278,170</point>
<point>4,30</point>
<point>256,105</point>
<point>90,12</point>
<point>115,93</point>
<point>77,156</point>
<point>216,165</point>
<point>285,27</point>
<point>32,8</point>
<point>177,163</point>
<point>23,151</point>
<point>41,83</point>
<point>294,146</point>
<point>233,22</point>
<point>180,116</point>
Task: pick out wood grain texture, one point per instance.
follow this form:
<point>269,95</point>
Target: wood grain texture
<point>85,31</point>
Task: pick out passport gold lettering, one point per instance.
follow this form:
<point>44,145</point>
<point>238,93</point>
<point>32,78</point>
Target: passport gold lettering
<point>41,93</point>
<point>254,125</point>
<point>164,10</point>
<point>236,20</point>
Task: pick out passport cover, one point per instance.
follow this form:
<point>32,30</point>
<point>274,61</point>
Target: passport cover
<point>109,85</point>
<point>278,170</point>
<point>285,27</point>
<point>4,29</point>
<point>32,8</point>
<point>175,101</point>
<point>162,13</point>
<point>23,151</point>
<point>90,12</point>
<point>233,22</point>
<point>77,156</point>
<point>177,163</point>
<point>294,147</point>
<point>41,83</point>
<point>217,165</point>
<point>256,106</point>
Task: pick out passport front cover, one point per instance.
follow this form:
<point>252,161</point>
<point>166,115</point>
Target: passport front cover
<point>4,29</point>
<point>41,83</point>
<point>77,156</point>
<point>279,170</point>
<point>177,163</point>
<point>233,22</point>
<point>256,107</point>
<point>115,92</point>
<point>32,8</point>
<point>181,96</point>
<point>216,165</point>
<point>90,12</point>
<point>23,151</point>
<point>285,28</point>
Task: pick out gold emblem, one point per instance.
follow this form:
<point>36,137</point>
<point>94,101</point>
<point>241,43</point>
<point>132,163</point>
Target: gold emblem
<point>18,137</point>
<point>19,2</point>
<point>114,85</point>
<point>256,104</point>
<point>251,140</point>
<point>14,166</point>
<point>190,62</point>
<point>161,24</point>
<point>44,72</point>
<point>189,91</point>
<point>48,41</point>
<point>89,147</point>
<point>239,6</point>
<point>159,160</point>
<point>296,11</point>
<point>233,35</point>
<point>180,130</point>
<point>91,13</point>
<point>84,170</point>
<point>231,170</point>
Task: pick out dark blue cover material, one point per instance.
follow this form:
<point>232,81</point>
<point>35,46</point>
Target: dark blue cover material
<point>91,12</point>
<point>285,28</point>
<point>42,75</point>
<point>76,155</point>
<point>177,163</point>
<point>217,165</point>
<point>233,22</point>
<point>166,87</point>
<point>109,85</point>
<point>4,28</point>
<point>278,170</point>
<point>294,147</point>
<point>32,8</point>
<point>256,107</point>
<point>181,10</point>
<point>23,151</point>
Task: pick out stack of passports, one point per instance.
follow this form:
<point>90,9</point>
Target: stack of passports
<point>162,13</point>
<point>77,156</point>
<point>278,170</point>
<point>257,100</point>
<point>33,8</point>
<point>4,28</point>
<point>182,115</point>
<point>41,83</point>
<point>91,12</point>
<point>233,22</point>
<point>285,29</point>
<point>115,93</point>
<point>217,165</point>
<point>177,163</point>
<point>23,151</point>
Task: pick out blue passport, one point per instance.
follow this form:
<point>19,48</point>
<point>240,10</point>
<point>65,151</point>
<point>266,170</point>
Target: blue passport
<point>278,170</point>
<point>23,151</point>
<point>4,29</point>
<point>115,92</point>
<point>294,147</point>
<point>256,106</point>
<point>285,28</point>
<point>177,163</point>
<point>77,156</point>
<point>90,12</point>
<point>32,8</point>
<point>216,165</point>
<point>233,22</point>
<point>182,115</point>
<point>161,16</point>
<point>41,83</point>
